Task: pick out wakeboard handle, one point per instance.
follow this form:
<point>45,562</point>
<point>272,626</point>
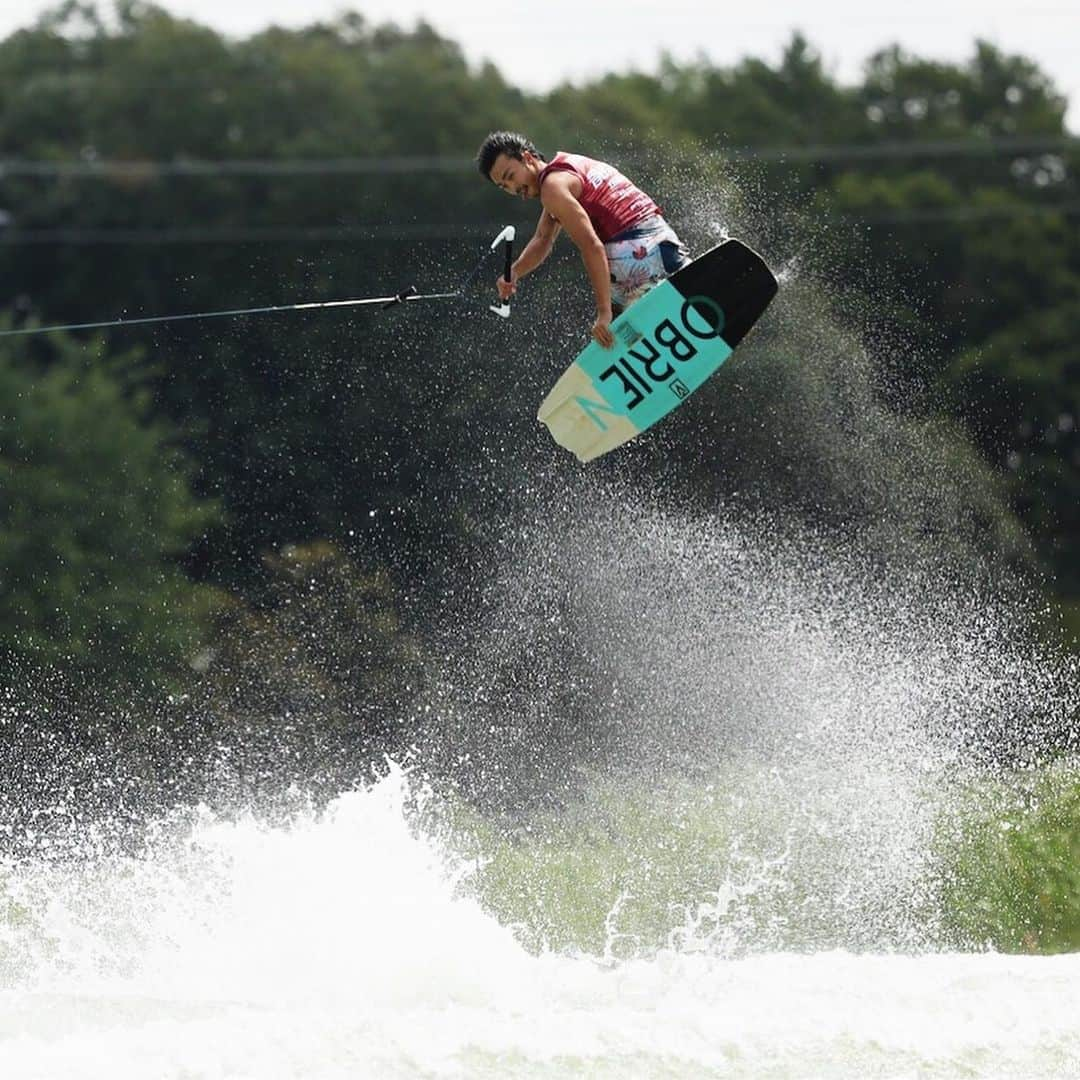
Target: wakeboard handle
<point>506,235</point>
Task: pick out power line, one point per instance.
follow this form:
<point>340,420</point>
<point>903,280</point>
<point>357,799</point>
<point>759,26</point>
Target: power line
<point>152,170</point>
<point>823,152</point>
<point>917,215</point>
<point>237,235</point>
<point>135,170</point>
<point>75,237</point>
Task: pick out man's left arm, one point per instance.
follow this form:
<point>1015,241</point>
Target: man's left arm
<point>560,202</point>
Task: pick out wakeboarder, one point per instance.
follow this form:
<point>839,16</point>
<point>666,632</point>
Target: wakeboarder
<point>625,243</point>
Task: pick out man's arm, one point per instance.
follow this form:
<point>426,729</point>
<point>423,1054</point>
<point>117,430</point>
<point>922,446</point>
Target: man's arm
<point>532,254</point>
<point>539,246</point>
<point>561,203</point>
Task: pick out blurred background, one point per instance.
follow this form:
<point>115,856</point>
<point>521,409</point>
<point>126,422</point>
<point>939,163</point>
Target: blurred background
<point>242,554</point>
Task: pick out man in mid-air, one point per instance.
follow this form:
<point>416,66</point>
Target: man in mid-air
<point>626,244</point>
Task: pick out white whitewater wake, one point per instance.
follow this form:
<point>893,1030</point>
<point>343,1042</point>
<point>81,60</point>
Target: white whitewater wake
<point>339,945</point>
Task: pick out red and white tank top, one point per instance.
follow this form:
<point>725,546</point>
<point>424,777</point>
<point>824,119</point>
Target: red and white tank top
<point>612,202</point>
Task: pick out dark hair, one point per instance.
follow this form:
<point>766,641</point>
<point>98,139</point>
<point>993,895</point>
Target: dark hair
<point>509,143</point>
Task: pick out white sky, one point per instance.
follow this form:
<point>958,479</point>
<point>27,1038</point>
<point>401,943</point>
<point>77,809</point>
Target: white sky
<point>537,43</point>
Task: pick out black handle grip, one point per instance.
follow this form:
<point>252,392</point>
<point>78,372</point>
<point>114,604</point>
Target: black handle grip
<point>509,259</point>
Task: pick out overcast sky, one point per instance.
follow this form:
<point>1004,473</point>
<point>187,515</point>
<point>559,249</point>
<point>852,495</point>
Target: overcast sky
<point>537,44</point>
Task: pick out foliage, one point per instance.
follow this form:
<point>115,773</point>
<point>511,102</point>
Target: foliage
<point>95,513</point>
<point>1012,860</point>
<point>324,656</point>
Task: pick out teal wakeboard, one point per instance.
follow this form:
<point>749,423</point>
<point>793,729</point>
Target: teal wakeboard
<point>666,345</point>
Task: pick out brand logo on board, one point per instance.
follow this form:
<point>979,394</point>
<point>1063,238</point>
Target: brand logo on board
<point>653,359</point>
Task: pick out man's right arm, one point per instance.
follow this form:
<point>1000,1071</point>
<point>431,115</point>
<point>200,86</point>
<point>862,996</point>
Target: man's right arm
<point>533,253</point>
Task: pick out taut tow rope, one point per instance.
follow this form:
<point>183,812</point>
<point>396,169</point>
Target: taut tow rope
<point>406,296</point>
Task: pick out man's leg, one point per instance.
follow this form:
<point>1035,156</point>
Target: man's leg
<point>642,257</point>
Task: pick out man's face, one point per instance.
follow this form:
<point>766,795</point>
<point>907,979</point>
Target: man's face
<point>516,177</point>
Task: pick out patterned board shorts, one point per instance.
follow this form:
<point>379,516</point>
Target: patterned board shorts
<point>641,256</point>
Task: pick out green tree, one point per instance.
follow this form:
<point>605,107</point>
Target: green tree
<point>321,668</point>
<point>96,512</point>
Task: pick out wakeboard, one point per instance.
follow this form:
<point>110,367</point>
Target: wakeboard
<point>666,345</point>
